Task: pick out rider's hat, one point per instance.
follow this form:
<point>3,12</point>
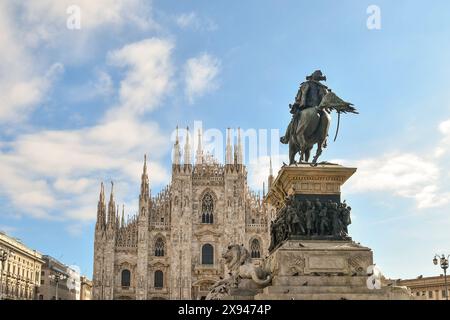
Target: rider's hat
<point>317,75</point>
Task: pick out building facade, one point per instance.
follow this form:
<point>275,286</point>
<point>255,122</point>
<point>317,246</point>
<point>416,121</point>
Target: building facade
<point>172,248</point>
<point>20,272</point>
<point>58,281</point>
<point>429,288</point>
<point>86,289</point>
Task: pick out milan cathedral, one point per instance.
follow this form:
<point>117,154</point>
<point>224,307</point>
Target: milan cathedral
<point>172,248</point>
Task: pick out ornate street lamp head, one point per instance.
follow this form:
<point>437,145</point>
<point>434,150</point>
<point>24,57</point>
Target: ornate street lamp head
<point>444,263</point>
<point>435,261</point>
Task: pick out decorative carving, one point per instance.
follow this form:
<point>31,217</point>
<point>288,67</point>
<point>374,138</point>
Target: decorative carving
<point>356,264</point>
<point>296,265</point>
<point>220,289</point>
<point>310,219</point>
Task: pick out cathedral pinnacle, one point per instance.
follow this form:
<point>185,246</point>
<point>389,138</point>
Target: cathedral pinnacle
<point>111,198</point>
<point>228,156</point>
<point>187,149</point>
<point>144,171</point>
<point>123,216</point>
<point>144,180</point>
<point>270,179</point>
<point>199,155</point>
<point>111,208</point>
<point>239,148</point>
<point>270,167</point>
<point>176,150</point>
<point>101,208</point>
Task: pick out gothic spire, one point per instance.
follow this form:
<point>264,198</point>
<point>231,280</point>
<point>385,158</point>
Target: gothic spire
<point>187,149</point>
<point>176,150</point>
<point>270,167</point>
<point>117,217</point>
<point>199,155</point>
<point>270,179</point>
<point>101,208</point>
<point>111,208</point>
<point>240,156</point>
<point>123,216</point>
<point>144,180</point>
<point>228,156</point>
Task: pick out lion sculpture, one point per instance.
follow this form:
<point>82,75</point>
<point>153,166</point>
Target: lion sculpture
<point>238,261</point>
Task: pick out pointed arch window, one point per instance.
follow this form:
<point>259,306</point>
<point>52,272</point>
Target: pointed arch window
<point>255,249</point>
<point>159,247</point>
<point>159,279</point>
<point>207,209</point>
<point>207,254</point>
<point>126,278</point>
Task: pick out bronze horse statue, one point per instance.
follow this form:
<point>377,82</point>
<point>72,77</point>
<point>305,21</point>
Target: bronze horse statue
<point>312,127</point>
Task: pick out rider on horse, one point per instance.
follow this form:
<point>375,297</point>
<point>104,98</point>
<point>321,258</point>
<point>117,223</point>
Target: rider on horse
<point>309,95</point>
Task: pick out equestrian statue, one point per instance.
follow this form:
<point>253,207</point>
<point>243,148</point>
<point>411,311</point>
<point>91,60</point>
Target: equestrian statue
<point>311,118</point>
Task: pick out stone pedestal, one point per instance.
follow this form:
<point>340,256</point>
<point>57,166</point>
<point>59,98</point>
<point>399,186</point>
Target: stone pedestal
<point>317,265</point>
<point>306,182</point>
<point>323,270</point>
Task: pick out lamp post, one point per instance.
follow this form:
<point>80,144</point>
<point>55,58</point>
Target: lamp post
<point>57,276</point>
<point>443,263</point>
<point>4,255</point>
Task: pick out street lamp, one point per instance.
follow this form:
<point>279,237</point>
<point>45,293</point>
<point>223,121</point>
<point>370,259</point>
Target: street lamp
<point>4,255</point>
<point>58,276</point>
<point>443,263</point>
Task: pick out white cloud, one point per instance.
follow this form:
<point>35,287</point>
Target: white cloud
<point>406,175</point>
<point>44,169</point>
<point>149,73</point>
<point>259,169</point>
<point>103,85</point>
<point>185,20</point>
<point>192,20</point>
<point>444,144</point>
<point>46,19</point>
<point>22,84</point>
<point>56,173</point>
<point>31,28</point>
<point>200,76</point>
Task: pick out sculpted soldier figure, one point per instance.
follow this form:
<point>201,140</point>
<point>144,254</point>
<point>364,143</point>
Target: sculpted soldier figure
<point>346,220</point>
<point>309,95</point>
<point>318,207</point>
<point>323,227</point>
<point>335,220</point>
<point>295,226</point>
<point>290,216</point>
<point>309,217</point>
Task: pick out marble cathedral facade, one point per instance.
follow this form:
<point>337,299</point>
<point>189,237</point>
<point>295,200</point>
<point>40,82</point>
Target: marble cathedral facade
<point>172,248</point>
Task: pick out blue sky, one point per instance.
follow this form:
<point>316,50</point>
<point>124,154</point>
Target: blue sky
<point>83,106</point>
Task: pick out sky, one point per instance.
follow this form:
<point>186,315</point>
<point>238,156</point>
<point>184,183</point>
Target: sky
<point>82,100</point>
